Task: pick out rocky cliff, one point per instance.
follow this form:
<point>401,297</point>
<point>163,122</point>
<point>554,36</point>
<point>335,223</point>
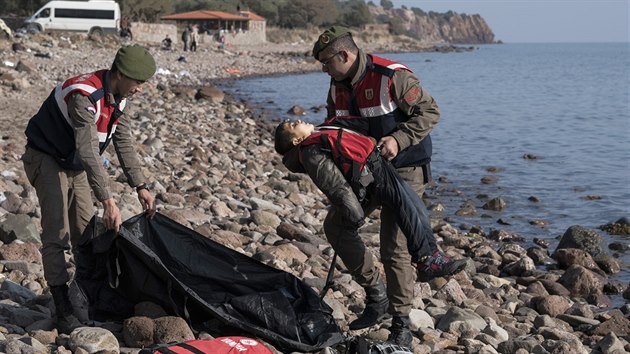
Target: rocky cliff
<point>433,27</point>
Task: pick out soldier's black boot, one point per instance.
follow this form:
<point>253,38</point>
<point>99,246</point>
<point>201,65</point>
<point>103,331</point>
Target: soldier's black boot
<point>399,332</point>
<point>375,307</point>
<point>66,321</point>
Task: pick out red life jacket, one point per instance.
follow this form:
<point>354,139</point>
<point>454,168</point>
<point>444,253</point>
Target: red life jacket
<point>350,151</point>
<point>371,93</point>
<point>371,98</point>
<point>51,130</point>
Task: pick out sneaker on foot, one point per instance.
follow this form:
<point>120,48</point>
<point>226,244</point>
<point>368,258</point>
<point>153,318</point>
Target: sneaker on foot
<point>439,265</point>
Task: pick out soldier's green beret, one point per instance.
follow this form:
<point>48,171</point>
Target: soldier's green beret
<point>329,36</point>
<point>135,62</point>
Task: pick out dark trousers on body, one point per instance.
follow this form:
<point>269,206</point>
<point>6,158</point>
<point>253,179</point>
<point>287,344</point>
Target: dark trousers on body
<point>399,194</point>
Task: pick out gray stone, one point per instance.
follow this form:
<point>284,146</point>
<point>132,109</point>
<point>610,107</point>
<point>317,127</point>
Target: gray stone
<point>552,305</point>
<point>21,316</point>
<point>610,344</point>
<point>261,204</point>
<point>576,321</point>
<point>93,340</point>
<point>512,346</point>
<point>24,267</point>
<point>16,291</point>
<point>495,204</point>
<point>420,319</point>
<point>262,217</point>
<point>458,320</point>
<point>18,227</point>
<point>451,292</point>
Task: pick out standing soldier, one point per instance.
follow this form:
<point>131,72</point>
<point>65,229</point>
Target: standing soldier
<point>401,115</point>
<point>186,38</point>
<point>65,139</point>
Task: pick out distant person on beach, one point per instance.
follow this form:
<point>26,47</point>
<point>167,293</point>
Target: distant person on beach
<point>167,42</point>
<point>186,38</point>
<point>125,29</point>
<point>194,38</point>
<point>401,115</point>
<point>126,33</point>
<point>65,139</point>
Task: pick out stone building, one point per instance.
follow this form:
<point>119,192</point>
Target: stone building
<point>243,27</point>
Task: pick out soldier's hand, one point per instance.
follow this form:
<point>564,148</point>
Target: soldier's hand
<point>111,215</point>
<point>147,201</point>
<point>389,147</point>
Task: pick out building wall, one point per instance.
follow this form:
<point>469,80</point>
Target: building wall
<point>154,32</point>
<point>257,34</point>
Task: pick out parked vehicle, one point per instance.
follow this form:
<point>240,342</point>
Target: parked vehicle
<point>92,16</point>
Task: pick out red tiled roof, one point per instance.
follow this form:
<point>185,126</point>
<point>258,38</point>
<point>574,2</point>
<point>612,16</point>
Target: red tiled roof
<point>212,15</point>
<point>252,16</point>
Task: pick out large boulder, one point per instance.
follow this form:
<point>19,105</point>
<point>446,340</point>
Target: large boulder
<point>581,281</point>
<point>582,238</point>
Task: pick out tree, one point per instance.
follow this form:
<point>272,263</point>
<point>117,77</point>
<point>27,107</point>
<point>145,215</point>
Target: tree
<point>387,4</point>
<point>355,13</point>
<point>304,13</point>
<point>145,10</point>
<point>20,8</point>
<point>418,12</point>
<point>396,25</point>
<point>193,5</point>
<point>269,9</point>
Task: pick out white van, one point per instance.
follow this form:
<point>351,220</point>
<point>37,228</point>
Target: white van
<point>92,16</point>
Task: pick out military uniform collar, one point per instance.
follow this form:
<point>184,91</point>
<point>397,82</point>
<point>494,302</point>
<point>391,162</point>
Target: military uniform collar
<point>110,98</point>
<point>361,68</point>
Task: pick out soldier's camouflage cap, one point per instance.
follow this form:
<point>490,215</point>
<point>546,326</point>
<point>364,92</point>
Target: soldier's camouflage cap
<point>330,35</point>
<point>135,62</point>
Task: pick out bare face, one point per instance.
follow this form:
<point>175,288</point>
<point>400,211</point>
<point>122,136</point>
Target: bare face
<point>299,130</point>
<point>127,87</point>
<point>335,64</point>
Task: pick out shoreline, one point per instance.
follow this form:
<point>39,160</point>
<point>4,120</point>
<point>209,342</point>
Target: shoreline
<point>213,169</point>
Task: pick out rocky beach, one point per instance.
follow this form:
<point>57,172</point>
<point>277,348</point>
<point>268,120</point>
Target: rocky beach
<point>213,168</point>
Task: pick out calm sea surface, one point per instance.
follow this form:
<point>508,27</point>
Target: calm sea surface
<point>566,104</point>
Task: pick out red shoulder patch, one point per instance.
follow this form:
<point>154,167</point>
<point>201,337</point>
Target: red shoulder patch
<point>412,94</point>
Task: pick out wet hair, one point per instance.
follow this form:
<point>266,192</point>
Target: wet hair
<point>344,43</point>
<point>283,139</point>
